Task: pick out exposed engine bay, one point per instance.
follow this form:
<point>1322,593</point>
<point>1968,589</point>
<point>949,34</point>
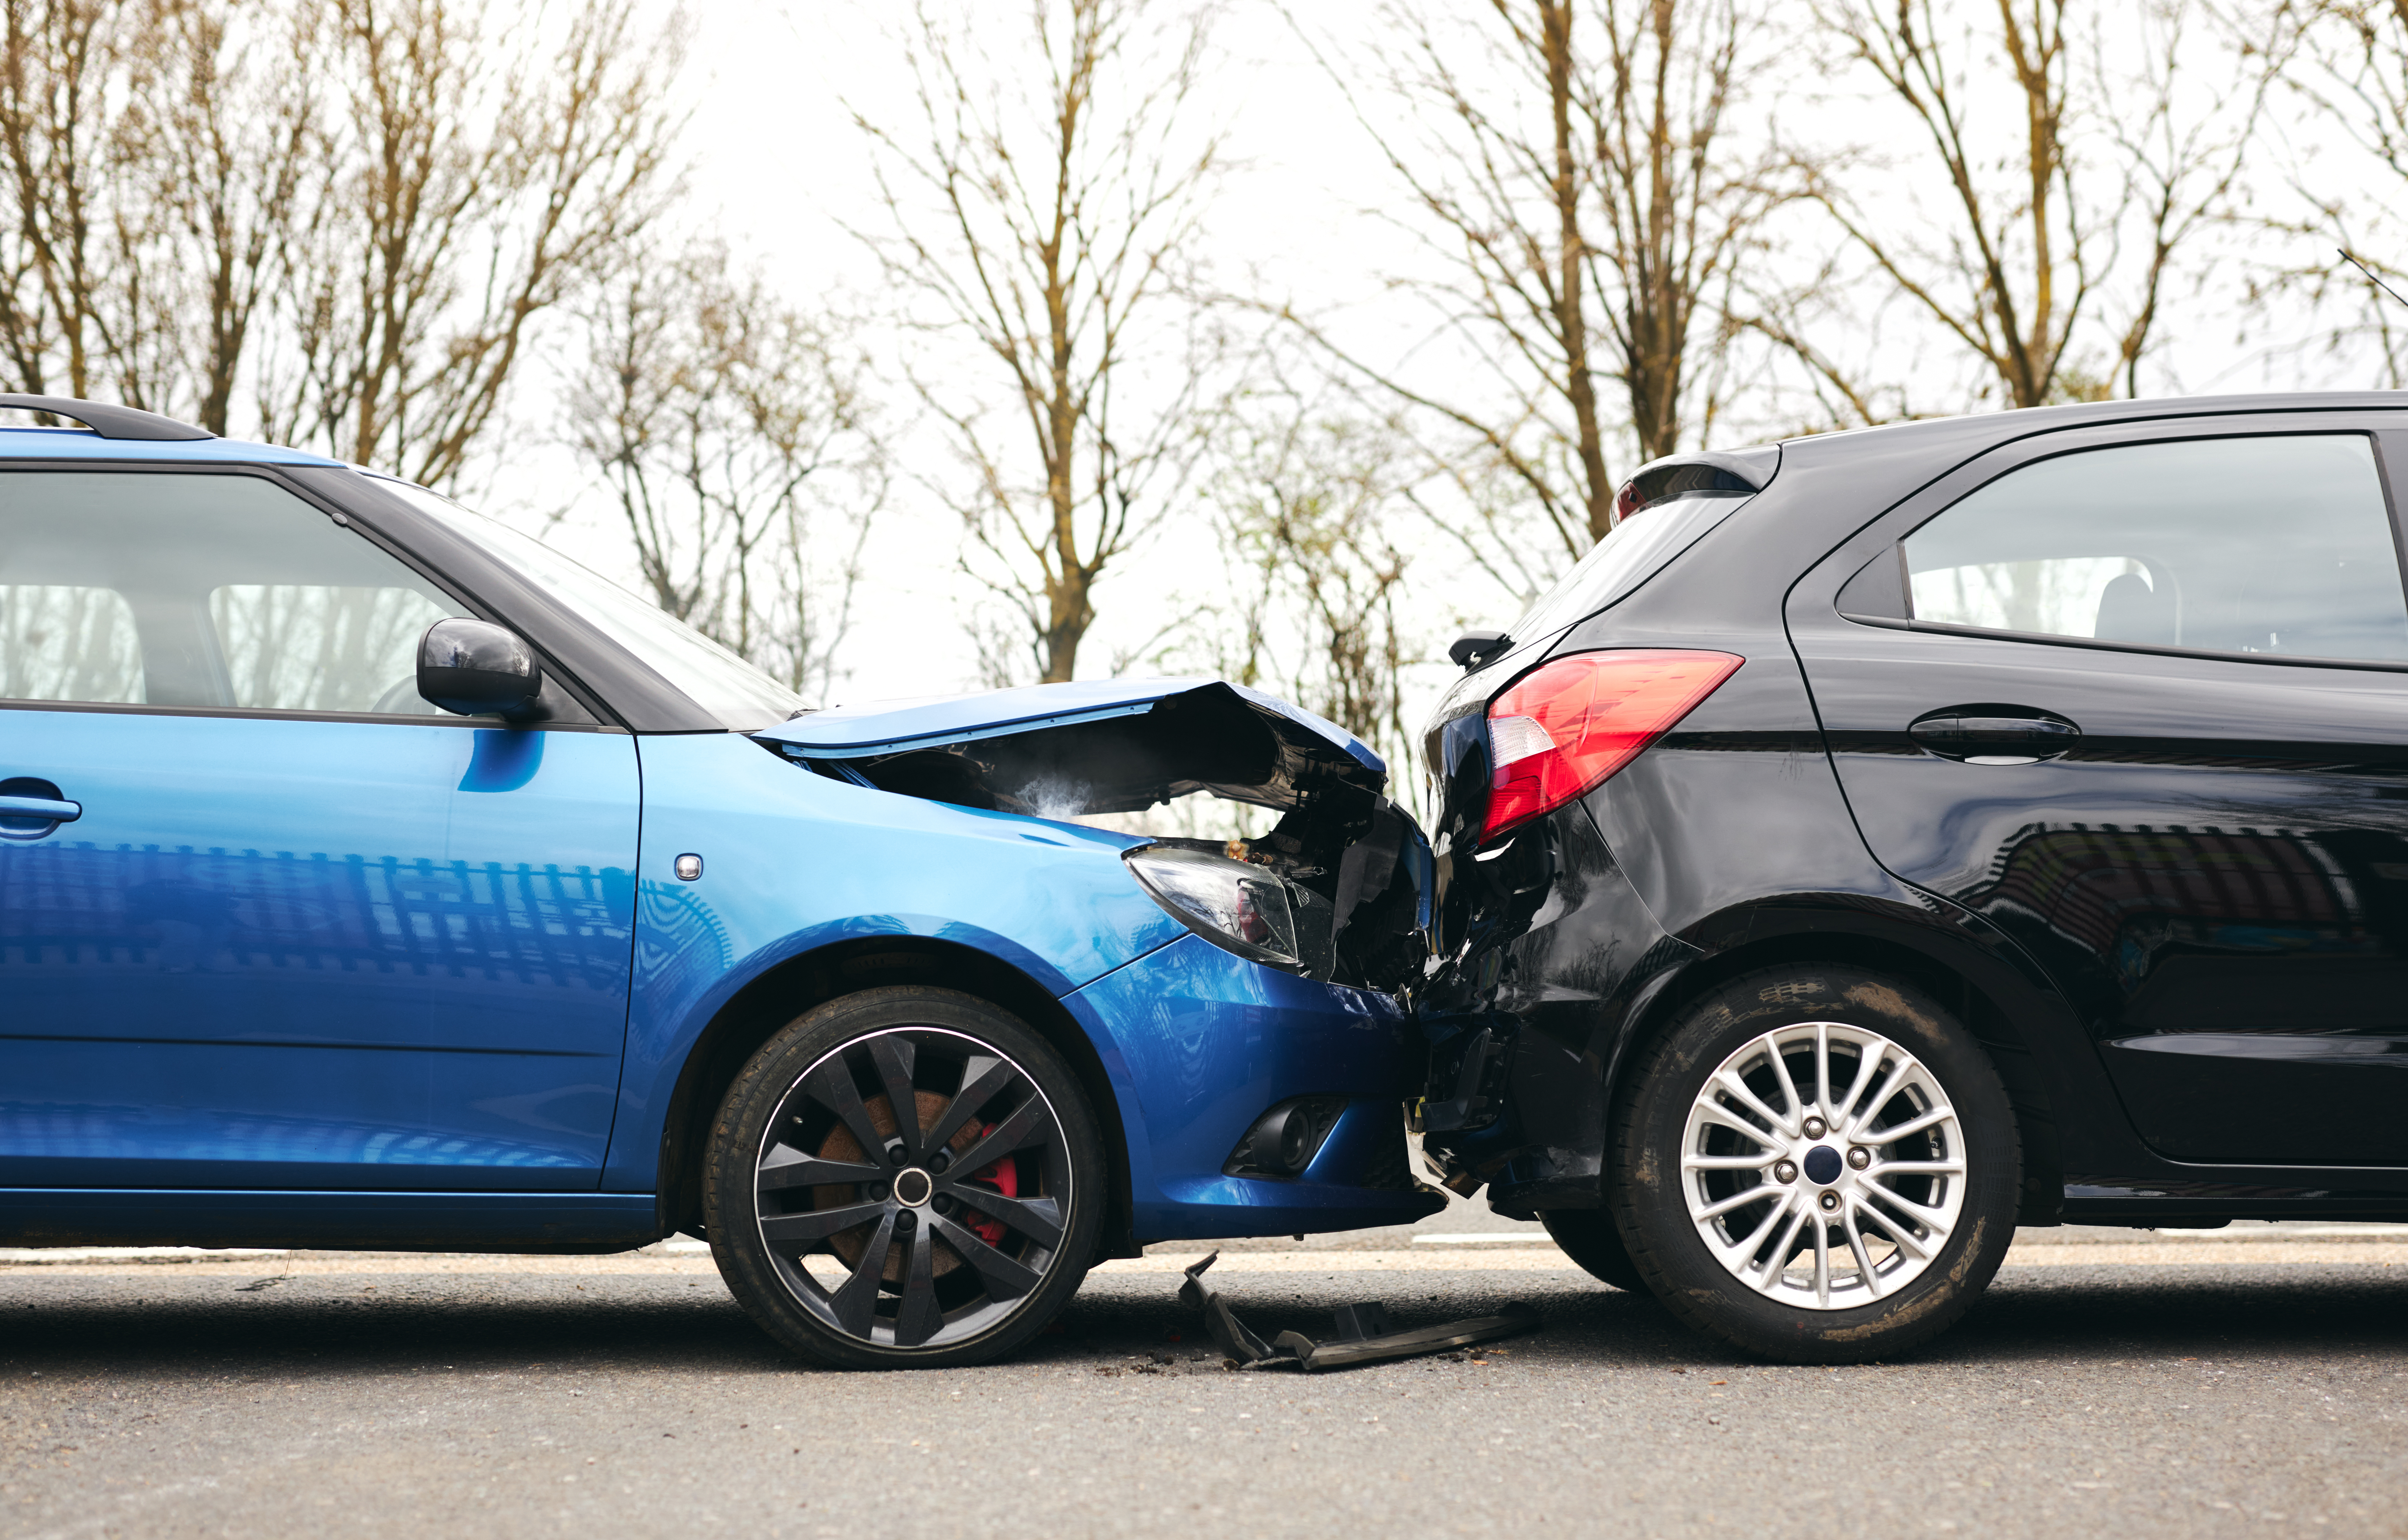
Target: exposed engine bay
<point>1351,869</point>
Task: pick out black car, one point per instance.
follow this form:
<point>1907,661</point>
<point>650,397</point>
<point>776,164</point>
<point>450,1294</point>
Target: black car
<point>1885,839</point>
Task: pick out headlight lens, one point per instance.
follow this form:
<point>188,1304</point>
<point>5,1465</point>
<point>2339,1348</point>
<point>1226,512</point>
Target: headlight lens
<point>1228,903</point>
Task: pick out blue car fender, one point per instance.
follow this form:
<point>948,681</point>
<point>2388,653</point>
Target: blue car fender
<point>792,861</point>
<point>1198,1043</point>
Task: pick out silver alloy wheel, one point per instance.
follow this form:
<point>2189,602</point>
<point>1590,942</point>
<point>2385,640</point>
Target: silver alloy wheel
<point>1823,1165</point>
<point>921,1230</point>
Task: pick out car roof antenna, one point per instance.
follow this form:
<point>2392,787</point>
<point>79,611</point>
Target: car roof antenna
<point>2369,273</point>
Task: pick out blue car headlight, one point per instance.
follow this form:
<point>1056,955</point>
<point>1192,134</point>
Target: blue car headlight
<point>1245,909</point>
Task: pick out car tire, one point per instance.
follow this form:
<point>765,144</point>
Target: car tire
<point>863,1242</point>
<point>1588,1237</point>
<point>1912,1226</point>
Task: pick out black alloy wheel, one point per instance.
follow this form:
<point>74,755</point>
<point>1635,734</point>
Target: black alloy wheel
<point>1816,1164</point>
<point>862,1239</point>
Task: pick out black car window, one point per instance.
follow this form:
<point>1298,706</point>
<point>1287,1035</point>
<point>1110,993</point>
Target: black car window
<point>1634,550</point>
<point>2263,544</point>
<point>147,589</point>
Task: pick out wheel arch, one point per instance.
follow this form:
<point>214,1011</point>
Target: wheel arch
<point>1990,996</point>
<point>798,984</point>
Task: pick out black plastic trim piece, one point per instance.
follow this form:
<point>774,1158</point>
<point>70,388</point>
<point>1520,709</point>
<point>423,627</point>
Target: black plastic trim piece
<point>1362,1332</point>
<point>125,422</point>
<point>541,1222</point>
<point>1747,466</point>
<point>1474,648</point>
<point>368,718</point>
<point>1879,588</point>
<point>1943,628</point>
<point>2188,1193</point>
<point>1320,1113</point>
<point>2390,462</point>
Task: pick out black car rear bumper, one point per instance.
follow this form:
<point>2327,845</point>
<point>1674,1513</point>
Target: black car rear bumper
<point>1561,954</point>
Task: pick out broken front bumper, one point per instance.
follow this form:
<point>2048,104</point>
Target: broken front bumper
<point>1198,1044</point>
<point>1359,1334</point>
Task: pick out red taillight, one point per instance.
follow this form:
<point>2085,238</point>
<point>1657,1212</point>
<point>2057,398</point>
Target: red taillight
<point>1566,725</point>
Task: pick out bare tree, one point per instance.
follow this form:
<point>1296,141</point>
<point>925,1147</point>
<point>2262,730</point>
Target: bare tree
<point>1795,312</point>
<point>63,128</point>
<point>2074,169</point>
<point>2182,143</point>
<point>480,184</point>
<point>216,158</point>
<point>354,209</point>
<point>1045,206</point>
<point>152,153</point>
<point>733,432</point>
<point>2349,62</point>
<point>1308,498</point>
<point>1306,514</point>
<point>1581,169</point>
<point>2017,258</point>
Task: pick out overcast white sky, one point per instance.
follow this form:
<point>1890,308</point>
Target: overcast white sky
<point>779,167</point>
<point>1295,152</point>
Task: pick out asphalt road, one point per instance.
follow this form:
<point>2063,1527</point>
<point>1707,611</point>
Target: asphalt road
<point>2213,1392</point>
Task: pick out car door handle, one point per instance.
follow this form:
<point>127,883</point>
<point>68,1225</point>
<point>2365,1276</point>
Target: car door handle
<point>1994,735</point>
<point>40,807</point>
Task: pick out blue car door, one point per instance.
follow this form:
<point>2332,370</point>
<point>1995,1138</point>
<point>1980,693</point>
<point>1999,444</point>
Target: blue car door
<point>268,920</point>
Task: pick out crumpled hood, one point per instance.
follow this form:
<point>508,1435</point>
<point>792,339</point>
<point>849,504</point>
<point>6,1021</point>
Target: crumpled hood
<point>1104,745</point>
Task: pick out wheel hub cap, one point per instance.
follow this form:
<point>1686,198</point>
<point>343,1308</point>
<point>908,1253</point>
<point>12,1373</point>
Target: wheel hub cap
<point>1872,1132</point>
<point>866,1245</point>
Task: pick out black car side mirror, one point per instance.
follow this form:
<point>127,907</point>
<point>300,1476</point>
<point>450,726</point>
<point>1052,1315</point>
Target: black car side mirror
<point>1474,647</point>
<point>475,666</point>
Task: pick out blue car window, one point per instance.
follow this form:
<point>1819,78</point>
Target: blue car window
<point>741,696</point>
<point>212,591</point>
<point>67,642</point>
<point>323,647</point>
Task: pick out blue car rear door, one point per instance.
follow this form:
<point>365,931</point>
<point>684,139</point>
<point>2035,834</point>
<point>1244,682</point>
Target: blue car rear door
<point>267,919</point>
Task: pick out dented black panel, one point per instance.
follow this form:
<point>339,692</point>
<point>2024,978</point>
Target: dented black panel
<point>1550,953</point>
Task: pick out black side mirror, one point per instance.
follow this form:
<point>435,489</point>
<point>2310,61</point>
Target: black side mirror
<point>1474,647</point>
<point>475,666</point>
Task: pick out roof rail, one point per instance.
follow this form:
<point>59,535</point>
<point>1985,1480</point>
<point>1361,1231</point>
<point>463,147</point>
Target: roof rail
<point>106,422</point>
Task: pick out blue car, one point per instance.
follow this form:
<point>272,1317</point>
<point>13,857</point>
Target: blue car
<point>373,877</point>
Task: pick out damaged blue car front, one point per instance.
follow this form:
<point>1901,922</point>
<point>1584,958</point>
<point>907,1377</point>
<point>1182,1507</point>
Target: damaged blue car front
<point>529,920</point>
<point>1255,1057</point>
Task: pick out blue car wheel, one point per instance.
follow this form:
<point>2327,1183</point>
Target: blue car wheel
<point>865,1239</point>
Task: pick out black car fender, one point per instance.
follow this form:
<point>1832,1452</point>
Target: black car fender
<point>2026,1026</point>
<point>1566,1049</point>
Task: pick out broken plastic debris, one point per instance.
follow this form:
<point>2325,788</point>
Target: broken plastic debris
<point>1362,1333</point>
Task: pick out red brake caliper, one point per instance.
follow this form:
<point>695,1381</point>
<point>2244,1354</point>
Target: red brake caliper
<point>1004,1176</point>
